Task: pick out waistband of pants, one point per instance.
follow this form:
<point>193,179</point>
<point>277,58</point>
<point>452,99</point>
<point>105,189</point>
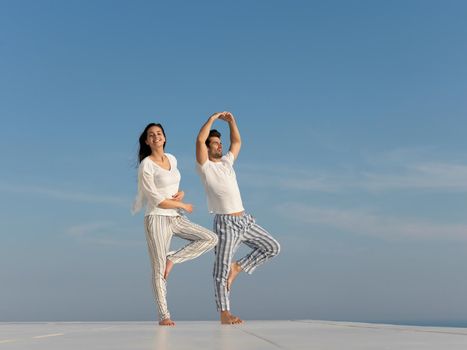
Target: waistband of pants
<point>236,215</point>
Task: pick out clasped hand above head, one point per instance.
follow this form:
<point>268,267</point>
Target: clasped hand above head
<point>226,116</point>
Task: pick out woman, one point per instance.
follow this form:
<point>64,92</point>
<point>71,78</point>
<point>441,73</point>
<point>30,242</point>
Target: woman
<point>158,181</point>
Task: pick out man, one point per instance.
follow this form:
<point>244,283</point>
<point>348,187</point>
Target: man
<point>232,225</point>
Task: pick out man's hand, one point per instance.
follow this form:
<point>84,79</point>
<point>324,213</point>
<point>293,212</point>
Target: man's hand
<point>227,116</point>
<point>217,115</point>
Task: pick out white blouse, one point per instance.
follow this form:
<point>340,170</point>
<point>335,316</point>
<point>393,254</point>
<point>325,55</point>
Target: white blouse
<point>155,184</point>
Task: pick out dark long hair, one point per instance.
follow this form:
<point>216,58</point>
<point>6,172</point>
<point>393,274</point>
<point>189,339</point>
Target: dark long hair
<point>144,149</point>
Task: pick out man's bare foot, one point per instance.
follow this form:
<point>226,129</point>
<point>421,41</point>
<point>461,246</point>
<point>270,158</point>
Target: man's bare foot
<point>167,322</point>
<point>235,269</point>
<point>228,318</point>
<point>168,267</point>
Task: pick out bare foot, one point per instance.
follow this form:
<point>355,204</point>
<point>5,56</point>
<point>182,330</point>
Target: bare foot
<point>228,318</point>
<point>235,269</point>
<point>167,322</point>
<point>168,267</point>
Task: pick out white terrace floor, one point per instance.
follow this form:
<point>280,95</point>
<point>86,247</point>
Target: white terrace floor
<point>207,335</point>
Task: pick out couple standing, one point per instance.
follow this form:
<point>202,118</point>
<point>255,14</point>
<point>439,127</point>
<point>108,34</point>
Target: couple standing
<point>158,188</point>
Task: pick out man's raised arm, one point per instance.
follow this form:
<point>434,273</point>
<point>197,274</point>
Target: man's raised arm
<point>235,139</point>
<point>201,148</point>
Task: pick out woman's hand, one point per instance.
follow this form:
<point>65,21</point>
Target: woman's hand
<point>187,207</point>
<point>178,196</point>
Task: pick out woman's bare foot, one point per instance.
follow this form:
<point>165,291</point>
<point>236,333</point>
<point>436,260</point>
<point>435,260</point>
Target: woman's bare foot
<point>168,267</point>
<point>235,269</point>
<point>167,322</point>
<point>228,318</point>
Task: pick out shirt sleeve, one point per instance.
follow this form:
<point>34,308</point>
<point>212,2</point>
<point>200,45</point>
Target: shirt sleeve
<point>229,157</point>
<point>149,188</point>
<point>138,202</point>
<point>201,168</point>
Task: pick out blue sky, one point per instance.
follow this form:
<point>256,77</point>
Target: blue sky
<point>353,118</point>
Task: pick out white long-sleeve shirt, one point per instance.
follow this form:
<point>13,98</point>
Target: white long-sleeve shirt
<point>156,184</point>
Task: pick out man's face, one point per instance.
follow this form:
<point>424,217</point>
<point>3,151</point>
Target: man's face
<point>215,148</point>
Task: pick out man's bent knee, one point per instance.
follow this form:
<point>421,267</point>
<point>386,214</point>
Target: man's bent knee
<point>276,248</point>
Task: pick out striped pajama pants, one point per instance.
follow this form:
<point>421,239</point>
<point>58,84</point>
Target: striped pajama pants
<point>159,231</point>
<point>232,231</point>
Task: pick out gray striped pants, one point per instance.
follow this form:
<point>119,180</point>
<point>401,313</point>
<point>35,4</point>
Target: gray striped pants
<point>159,231</point>
<point>231,231</point>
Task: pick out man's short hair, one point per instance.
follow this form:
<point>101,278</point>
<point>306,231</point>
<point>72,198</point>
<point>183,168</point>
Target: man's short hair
<point>212,133</point>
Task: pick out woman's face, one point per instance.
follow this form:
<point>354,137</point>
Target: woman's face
<point>155,137</point>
